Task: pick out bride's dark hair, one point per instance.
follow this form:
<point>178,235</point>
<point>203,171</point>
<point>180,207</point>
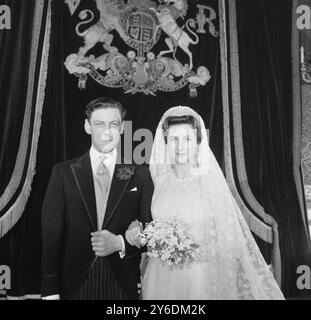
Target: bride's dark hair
<point>174,120</point>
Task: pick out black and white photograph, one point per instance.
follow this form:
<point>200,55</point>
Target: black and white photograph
<point>155,150</point>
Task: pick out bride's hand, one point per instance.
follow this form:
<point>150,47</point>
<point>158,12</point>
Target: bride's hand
<point>131,234</point>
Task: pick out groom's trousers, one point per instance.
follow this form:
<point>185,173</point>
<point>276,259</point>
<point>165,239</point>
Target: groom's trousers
<point>101,283</point>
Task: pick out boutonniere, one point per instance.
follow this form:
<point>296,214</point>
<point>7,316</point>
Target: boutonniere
<point>125,172</point>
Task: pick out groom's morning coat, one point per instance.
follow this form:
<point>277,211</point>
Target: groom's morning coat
<point>69,216</point>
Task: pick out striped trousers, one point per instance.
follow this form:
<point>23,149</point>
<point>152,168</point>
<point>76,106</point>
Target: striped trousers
<point>101,283</point>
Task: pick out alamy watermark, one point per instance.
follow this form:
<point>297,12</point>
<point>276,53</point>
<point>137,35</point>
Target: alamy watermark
<point>5,17</point>
<point>304,279</point>
<point>5,277</point>
<point>304,18</point>
<point>143,139</point>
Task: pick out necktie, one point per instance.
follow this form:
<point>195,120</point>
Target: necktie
<point>102,169</point>
<point>102,181</point>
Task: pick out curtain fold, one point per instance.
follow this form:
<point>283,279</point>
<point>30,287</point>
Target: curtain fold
<point>23,57</point>
<point>267,111</point>
<point>263,226</point>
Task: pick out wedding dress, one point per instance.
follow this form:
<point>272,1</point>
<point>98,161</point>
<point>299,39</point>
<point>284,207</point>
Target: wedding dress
<point>230,265</point>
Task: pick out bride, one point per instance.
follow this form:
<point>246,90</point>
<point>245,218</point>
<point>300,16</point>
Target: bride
<point>190,186</point>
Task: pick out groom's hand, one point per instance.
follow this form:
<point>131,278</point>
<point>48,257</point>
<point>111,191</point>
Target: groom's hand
<point>131,234</point>
<point>105,243</point>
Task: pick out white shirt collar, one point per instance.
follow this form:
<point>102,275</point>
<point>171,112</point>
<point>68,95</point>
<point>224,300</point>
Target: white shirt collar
<point>110,160</point>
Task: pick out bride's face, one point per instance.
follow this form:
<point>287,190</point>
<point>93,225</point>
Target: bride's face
<point>182,144</point>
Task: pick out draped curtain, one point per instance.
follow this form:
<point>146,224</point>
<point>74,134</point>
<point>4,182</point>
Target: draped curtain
<point>269,118</point>
<point>23,68</point>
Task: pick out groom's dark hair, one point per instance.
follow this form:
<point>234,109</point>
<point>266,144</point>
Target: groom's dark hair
<point>103,103</point>
<point>174,120</point>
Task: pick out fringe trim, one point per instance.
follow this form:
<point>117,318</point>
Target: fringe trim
<point>21,155</point>
<point>8,220</point>
<point>267,229</point>
<point>262,230</point>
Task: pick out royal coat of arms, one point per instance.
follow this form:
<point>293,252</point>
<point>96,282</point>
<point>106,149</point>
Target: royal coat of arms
<point>140,23</point>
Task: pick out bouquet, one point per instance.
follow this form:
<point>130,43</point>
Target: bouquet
<point>170,242</point>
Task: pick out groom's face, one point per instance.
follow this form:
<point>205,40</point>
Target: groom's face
<point>182,144</point>
<point>105,127</point>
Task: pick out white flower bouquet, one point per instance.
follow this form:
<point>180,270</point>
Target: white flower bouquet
<point>170,242</point>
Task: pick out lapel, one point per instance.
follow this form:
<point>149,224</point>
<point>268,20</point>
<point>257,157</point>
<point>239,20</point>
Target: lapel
<point>82,172</point>
<point>117,190</point>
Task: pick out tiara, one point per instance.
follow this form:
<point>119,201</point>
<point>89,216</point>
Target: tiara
<point>180,111</point>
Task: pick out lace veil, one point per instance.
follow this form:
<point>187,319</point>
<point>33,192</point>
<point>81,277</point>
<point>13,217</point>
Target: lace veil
<point>240,270</point>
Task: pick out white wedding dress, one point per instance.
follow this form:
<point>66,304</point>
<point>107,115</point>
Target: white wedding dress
<point>230,265</point>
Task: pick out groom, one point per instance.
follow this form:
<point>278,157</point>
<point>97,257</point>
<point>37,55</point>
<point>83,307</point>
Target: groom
<point>88,206</point>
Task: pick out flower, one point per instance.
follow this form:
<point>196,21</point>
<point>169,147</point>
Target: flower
<point>169,241</point>
<point>125,172</point>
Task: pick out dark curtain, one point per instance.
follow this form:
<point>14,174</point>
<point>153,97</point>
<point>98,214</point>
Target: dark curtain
<point>62,134</point>
<point>15,49</point>
<point>20,248</point>
<point>264,33</point>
